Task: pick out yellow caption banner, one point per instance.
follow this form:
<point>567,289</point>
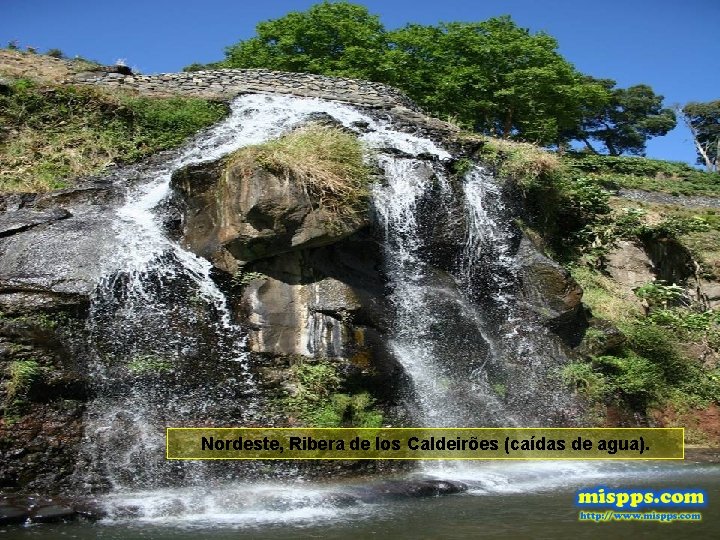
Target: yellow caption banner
<point>425,443</point>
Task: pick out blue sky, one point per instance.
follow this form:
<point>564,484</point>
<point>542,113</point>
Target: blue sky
<point>672,45</point>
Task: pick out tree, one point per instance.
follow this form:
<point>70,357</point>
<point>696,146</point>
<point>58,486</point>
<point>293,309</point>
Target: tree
<point>494,76</point>
<point>339,39</point>
<point>626,120</point>
<point>703,120</point>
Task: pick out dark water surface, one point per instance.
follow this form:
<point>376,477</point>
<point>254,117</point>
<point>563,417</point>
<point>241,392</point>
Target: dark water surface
<point>521,500</point>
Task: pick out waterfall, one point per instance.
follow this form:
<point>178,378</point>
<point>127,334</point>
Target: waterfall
<point>437,339</point>
<point>474,353</point>
<point>167,349</point>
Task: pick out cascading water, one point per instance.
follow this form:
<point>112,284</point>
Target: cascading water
<point>168,351</point>
<point>441,348</point>
<point>473,357</point>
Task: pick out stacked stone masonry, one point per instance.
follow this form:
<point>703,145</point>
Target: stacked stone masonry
<point>227,83</point>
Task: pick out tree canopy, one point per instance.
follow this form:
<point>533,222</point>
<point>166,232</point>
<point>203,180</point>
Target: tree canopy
<point>625,120</point>
<point>703,119</point>
<point>338,39</point>
<point>492,76</point>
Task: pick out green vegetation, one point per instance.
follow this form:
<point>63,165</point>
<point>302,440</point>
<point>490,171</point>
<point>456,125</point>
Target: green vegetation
<point>241,277</point>
<point>318,402</point>
<point>669,358</point>
<point>524,163</point>
<point>703,120</point>
<point>326,161</point>
<point>53,135</point>
<point>492,76</point>
<point>656,365</point>
<point>21,374</point>
<point>615,172</point>
<point>148,364</point>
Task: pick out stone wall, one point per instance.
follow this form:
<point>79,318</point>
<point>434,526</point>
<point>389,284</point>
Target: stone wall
<point>228,83</point>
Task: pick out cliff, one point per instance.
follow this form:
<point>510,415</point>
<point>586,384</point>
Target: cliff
<point>236,280</point>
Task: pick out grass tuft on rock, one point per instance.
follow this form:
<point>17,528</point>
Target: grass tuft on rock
<point>525,163</point>
<point>326,161</point>
<point>21,374</point>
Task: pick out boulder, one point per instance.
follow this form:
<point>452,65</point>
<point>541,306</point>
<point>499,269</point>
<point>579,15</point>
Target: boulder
<point>52,513</point>
<point>253,214</point>
<point>629,265</point>
<point>13,514</point>
<point>551,292</point>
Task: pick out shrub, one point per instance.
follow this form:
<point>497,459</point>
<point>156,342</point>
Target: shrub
<point>319,403</point>
<point>657,345</point>
<point>657,294</point>
<point>584,379</point>
<point>639,378</point>
<point>55,53</point>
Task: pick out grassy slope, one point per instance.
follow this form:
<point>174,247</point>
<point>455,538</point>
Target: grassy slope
<point>53,133</point>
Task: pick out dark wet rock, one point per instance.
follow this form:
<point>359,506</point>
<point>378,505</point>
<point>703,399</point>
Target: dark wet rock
<point>13,514</point>
<point>315,302</point>
<point>24,219</point>
<point>52,513</point>
<point>552,293</point>
<point>63,257</point>
<point>395,489</point>
<point>89,510</point>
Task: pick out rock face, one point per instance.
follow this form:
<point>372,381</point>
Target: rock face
<point>253,214</point>
<point>310,283</point>
<point>629,265</point>
<point>51,253</point>
<point>632,265</point>
<point>552,293</point>
<point>306,284</point>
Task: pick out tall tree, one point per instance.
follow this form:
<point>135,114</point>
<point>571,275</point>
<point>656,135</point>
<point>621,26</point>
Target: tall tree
<point>626,120</point>
<point>493,75</point>
<point>703,120</point>
<point>339,39</point>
